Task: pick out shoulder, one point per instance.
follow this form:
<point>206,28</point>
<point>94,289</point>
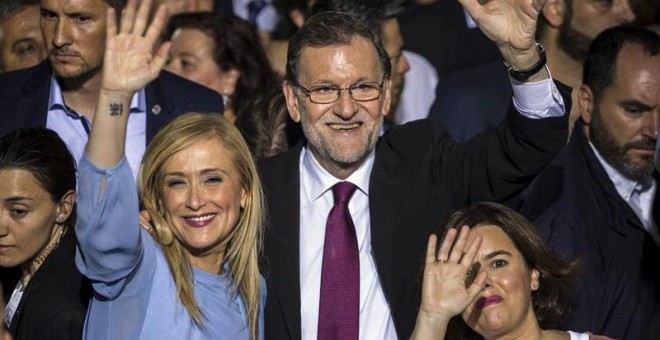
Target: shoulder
<point>13,83</point>
<point>184,93</point>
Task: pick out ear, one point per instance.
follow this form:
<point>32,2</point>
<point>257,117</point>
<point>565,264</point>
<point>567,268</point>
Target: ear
<point>554,12</point>
<point>244,198</point>
<point>534,281</point>
<point>297,17</point>
<point>229,81</point>
<point>65,207</point>
<point>387,97</point>
<point>291,101</point>
<point>586,103</point>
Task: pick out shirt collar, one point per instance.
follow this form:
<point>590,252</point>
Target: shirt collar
<point>56,100</point>
<point>624,185</point>
<point>317,180</point>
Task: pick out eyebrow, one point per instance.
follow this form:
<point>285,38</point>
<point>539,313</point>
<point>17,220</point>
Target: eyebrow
<point>495,254</point>
<point>22,40</point>
<point>203,172</point>
<point>635,104</point>
<point>19,198</point>
<point>324,82</point>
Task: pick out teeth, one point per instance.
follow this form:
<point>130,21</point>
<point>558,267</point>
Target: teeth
<point>344,126</point>
<point>202,218</point>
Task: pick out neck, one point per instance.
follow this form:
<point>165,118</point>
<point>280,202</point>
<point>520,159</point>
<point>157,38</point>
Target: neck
<point>211,262</point>
<point>31,267</point>
<point>562,66</point>
<point>81,94</point>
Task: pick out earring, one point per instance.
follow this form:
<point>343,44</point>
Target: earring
<point>535,285</point>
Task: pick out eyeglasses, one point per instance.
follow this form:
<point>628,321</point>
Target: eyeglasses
<point>326,94</point>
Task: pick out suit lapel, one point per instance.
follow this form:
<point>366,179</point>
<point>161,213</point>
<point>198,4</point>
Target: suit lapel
<point>159,110</point>
<point>385,193</point>
<point>283,238</point>
<point>33,106</point>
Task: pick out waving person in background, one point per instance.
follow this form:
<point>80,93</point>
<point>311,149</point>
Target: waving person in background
<point>197,276</point>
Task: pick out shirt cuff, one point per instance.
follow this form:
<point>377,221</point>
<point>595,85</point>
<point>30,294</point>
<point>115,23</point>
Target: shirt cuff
<point>538,100</point>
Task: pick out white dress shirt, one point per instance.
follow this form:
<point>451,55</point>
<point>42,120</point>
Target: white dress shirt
<point>625,187</point>
<point>73,127</point>
<point>535,100</point>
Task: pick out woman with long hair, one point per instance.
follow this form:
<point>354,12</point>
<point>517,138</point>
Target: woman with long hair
<point>195,276</point>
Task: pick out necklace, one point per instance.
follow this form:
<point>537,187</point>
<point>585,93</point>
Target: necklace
<point>36,263</point>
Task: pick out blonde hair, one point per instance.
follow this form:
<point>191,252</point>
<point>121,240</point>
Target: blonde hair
<point>243,244</point>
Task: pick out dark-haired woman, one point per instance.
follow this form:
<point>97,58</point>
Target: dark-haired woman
<point>37,194</point>
<point>494,279</point>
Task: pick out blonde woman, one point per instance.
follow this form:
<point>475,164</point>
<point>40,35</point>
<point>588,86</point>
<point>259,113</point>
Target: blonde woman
<point>196,277</point>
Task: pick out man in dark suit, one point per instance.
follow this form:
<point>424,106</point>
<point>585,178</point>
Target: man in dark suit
<point>596,201</point>
<point>403,184</point>
<point>61,94</point>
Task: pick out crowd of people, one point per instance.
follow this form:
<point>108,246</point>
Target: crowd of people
<point>329,169</point>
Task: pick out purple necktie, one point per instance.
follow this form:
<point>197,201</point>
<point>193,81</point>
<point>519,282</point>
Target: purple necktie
<point>339,313</point>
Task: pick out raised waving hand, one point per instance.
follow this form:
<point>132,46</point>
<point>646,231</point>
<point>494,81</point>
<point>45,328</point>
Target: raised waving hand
<point>511,24</point>
<point>133,58</point>
<point>446,288</point>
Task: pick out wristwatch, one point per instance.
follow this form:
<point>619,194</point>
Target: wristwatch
<point>523,75</point>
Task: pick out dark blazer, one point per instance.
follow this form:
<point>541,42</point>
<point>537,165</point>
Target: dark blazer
<point>24,99</point>
<point>419,177</point>
<point>580,215</point>
<point>473,100</point>
<point>54,303</point>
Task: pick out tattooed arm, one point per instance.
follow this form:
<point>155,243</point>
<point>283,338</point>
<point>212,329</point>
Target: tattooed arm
<point>128,66</point>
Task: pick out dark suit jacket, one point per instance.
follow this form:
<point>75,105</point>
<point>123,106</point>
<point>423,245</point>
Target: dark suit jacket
<point>580,214</point>
<point>473,100</point>
<point>419,177</point>
<point>54,303</point>
<point>439,32</point>
<point>24,99</point>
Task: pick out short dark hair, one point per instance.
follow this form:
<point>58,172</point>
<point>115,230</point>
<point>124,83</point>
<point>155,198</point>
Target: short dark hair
<point>237,46</point>
<point>43,153</point>
<point>372,12</point>
<point>266,125</point>
<point>331,29</point>
<point>9,7</point>
<point>118,5</point>
<point>600,65</point>
<point>552,301</point>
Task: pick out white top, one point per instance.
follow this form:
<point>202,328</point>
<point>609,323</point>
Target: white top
<point>578,336</point>
<point>418,90</point>
<point>625,187</point>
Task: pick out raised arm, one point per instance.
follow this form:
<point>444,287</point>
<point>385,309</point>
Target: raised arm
<point>447,290</point>
<point>511,25</point>
<point>128,66</point>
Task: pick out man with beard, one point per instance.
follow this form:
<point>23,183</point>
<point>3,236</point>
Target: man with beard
<point>61,94</point>
<point>472,100</point>
<point>596,201</point>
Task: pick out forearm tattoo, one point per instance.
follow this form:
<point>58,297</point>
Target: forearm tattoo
<point>116,109</point>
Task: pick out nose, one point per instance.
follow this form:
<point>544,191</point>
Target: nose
<point>174,66</point>
<point>4,223</point>
<point>195,197</point>
<point>623,12</point>
<point>62,34</point>
<point>650,128</point>
<point>346,105</point>
<point>403,65</point>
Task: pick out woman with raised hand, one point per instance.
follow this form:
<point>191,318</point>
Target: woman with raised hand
<point>493,279</point>
<point>196,275</point>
